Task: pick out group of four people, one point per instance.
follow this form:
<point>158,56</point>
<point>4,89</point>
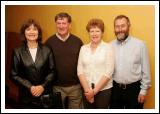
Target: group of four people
<point>95,75</point>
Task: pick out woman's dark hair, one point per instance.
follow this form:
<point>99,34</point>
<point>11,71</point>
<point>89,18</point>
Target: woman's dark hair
<point>28,23</point>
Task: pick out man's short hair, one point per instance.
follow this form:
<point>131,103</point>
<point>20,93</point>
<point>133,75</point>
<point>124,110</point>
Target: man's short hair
<point>63,15</point>
<point>122,16</point>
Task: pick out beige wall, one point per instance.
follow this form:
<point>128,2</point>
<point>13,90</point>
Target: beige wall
<point>141,17</point>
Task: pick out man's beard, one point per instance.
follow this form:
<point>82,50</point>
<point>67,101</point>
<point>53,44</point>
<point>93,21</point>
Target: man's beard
<point>122,38</point>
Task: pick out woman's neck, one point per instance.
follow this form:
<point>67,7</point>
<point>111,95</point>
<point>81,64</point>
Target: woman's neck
<point>94,45</point>
<point>32,44</point>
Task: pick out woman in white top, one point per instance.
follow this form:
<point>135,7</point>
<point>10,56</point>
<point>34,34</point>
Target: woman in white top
<point>95,67</point>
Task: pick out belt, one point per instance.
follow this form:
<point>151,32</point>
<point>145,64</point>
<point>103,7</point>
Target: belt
<point>125,86</point>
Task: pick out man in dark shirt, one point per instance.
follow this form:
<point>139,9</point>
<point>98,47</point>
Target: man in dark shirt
<point>66,47</point>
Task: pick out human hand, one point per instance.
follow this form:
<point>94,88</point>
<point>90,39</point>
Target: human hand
<point>141,98</point>
<point>37,90</point>
<point>89,95</point>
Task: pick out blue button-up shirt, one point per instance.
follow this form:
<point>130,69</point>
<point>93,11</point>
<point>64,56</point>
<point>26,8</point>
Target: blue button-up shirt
<point>132,63</point>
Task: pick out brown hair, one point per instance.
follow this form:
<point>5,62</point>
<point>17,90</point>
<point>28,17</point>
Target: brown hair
<point>63,15</point>
<point>122,16</point>
<point>28,23</point>
<point>95,23</point>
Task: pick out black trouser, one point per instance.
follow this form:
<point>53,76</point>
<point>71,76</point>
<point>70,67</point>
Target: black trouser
<point>125,96</point>
<point>101,100</point>
<point>31,105</point>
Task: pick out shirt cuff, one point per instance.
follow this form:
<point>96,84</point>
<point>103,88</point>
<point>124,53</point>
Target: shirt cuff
<point>108,75</point>
<point>143,92</point>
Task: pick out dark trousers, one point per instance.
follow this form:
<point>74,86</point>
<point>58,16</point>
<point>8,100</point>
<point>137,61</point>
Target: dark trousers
<point>125,96</point>
<point>31,106</point>
<point>101,100</point>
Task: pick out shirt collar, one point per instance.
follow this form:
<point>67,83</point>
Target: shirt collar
<point>63,39</point>
<point>101,43</point>
<point>124,42</point>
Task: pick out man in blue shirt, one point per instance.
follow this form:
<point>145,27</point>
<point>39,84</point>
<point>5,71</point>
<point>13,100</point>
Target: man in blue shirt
<point>132,69</point>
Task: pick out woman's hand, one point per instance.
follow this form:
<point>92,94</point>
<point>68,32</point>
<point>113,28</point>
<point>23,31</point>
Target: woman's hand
<point>37,90</point>
<point>90,95</point>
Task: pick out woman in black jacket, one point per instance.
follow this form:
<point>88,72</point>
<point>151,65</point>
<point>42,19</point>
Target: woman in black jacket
<point>32,67</point>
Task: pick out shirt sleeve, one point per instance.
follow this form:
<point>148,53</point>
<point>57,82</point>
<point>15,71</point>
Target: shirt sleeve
<point>146,79</point>
<point>109,62</point>
<point>80,66</point>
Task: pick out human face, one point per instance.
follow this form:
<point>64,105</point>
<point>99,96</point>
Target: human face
<point>31,33</point>
<point>63,26</point>
<point>121,28</point>
<point>95,35</point>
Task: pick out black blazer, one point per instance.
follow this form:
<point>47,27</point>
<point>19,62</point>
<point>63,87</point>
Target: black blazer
<point>26,73</point>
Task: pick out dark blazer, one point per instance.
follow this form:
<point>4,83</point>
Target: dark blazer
<point>26,73</point>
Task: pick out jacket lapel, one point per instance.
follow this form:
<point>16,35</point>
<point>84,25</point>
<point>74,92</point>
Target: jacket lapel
<point>38,57</point>
<point>27,56</point>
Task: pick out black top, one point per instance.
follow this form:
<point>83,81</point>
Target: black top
<point>66,58</point>
<point>26,73</point>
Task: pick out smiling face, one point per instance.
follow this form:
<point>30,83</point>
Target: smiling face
<point>31,33</point>
<point>95,28</point>
<point>95,34</point>
<point>121,28</point>
<point>63,26</point>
